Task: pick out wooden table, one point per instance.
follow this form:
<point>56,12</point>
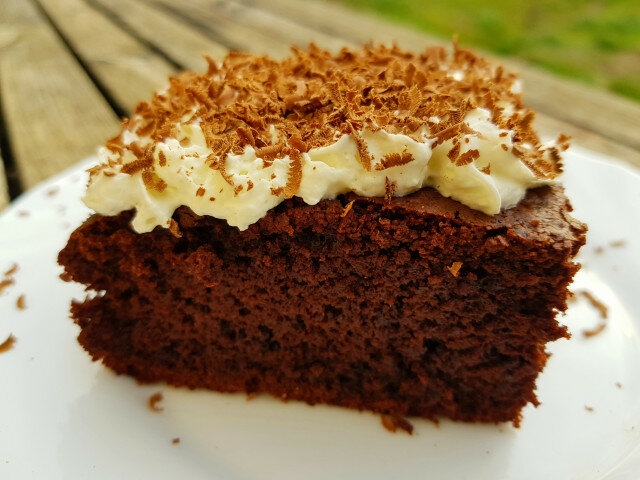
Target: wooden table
<point>69,69</point>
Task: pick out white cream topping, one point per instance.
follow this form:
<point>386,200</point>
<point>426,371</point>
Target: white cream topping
<point>326,173</point>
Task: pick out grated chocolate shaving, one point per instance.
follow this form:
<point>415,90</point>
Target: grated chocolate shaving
<point>174,229</point>
<point>152,181</point>
<point>389,189</point>
<point>467,157</point>
<point>153,402</point>
<point>454,153</point>
<point>13,269</point>
<point>363,152</point>
<point>347,209</point>
<point>313,96</point>
<point>394,160</point>
<point>393,423</point>
<point>455,268</point>
<point>602,309</point>
<point>597,304</point>
<point>21,302</point>
<point>295,174</point>
<point>592,332</point>
<point>5,283</point>
<point>563,141</point>
<point>8,343</point>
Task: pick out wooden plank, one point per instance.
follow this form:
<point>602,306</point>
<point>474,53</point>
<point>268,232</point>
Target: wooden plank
<point>237,28</point>
<point>588,108</point>
<point>591,109</point>
<point>345,23</point>
<point>278,27</point>
<point>550,127</point>
<point>54,114</point>
<point>217,25</point>
<point>127,70</point>
<point>177,39</point>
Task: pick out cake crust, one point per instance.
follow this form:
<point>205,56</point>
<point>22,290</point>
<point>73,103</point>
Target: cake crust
<point>352,301</point>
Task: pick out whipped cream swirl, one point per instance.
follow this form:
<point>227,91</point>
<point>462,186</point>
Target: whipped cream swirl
<point>496,179</point>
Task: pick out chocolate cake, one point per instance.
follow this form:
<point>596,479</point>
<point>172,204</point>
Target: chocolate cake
<point>372,229</point>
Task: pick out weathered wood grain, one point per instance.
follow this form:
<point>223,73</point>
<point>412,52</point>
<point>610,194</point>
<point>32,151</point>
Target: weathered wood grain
<point>245,29</point>
<point>279,27</point>
<point>221,28</point>
<point>336,20</point>
<point>53,113</point>
<point>181,42</point>
<point>127,70</point>
<point>590,109</point>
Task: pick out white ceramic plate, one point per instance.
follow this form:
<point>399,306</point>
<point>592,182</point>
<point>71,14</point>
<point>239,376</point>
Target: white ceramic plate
<point>64,417</point>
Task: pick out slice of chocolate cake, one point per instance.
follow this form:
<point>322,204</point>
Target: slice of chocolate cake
<point>310,249</point>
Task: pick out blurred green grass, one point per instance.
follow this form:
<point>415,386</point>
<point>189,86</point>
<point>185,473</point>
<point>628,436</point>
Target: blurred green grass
<point>597,42</point>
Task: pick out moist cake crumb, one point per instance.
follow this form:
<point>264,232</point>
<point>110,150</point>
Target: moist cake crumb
<point>359,311</point>
<point>153,402</point>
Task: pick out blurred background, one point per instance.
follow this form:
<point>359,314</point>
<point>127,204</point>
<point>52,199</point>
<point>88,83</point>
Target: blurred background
<point>70,69</point>
<point>597,41</point>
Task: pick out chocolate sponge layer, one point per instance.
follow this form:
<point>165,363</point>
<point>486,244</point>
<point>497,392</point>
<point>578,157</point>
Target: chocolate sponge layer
<point>417,306</point>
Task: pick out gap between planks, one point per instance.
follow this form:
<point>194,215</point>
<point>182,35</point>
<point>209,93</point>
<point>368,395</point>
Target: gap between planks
<point>171,35</point>
<point>4,188</point>
<point>127,70</point>
<point>53,113</point>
